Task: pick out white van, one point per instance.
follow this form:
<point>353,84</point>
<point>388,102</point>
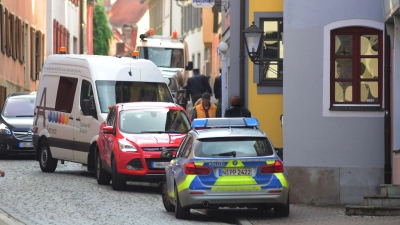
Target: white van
<point>73,97</point>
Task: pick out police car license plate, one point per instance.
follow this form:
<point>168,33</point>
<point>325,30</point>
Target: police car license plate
<point>159,165</point>
<point>235,172</point>
<point>25,144</point>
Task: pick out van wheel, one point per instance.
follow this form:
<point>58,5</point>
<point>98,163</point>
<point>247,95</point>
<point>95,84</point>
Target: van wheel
<point>47,162</point>
<point>165,198</point>
<point>180,212</point>
<point>101,175</point>
<point>117,183</point>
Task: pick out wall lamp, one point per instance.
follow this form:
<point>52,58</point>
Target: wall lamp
<point>254,40</point>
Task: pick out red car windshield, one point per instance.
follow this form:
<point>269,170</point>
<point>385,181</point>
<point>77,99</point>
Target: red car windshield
<point>154,121</point>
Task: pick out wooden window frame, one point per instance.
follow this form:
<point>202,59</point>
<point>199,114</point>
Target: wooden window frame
<point>356,104</point>
<point>7,33</point>
<point>22,42</point>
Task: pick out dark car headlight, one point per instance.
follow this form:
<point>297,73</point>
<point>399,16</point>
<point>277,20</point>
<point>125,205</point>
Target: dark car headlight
<point>4,129</point>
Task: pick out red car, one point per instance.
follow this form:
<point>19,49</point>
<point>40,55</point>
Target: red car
<point>131,140</point>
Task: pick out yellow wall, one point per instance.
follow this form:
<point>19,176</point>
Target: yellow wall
<point>267,108</point>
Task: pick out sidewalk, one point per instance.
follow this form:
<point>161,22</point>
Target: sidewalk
<point>311,214</point>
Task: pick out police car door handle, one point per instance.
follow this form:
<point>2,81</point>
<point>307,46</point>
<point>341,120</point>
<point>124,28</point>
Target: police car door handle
<point>78,119</point>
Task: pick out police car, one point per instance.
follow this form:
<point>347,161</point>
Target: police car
<point>225,162</point>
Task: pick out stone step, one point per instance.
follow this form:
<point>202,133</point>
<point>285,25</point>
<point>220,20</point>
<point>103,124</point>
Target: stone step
<point>390,190</point>
<point>380,200</point>
<point>356,210</point>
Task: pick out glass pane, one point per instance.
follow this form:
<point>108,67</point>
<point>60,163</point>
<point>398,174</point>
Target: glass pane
<point>343,45</point>
<point>343,92</point>
<point>272,70</point>
<point>343,68</point>
<point>369,45</point>
<point>369,91</point>
<point>281,49</point>
<point>369,68</point>
<point>270,49</point>
<point>271,29</point>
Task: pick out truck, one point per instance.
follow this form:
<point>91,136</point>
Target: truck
<point>170,54</point>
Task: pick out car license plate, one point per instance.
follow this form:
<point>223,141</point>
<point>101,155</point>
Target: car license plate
<point>25,144</point>
<point>235,172</point>
<point>159,164</point>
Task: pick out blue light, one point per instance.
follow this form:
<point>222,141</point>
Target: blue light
<point>199,123</point>
<point>251,122</point>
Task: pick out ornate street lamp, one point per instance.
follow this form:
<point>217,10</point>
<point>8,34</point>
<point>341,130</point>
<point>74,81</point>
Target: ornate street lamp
<point>254,40</point>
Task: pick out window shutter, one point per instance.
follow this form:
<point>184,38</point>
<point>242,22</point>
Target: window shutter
<point>32,53</point>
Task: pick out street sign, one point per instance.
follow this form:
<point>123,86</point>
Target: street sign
<point>203,3</point>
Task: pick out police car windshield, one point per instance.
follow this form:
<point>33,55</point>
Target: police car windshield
<point>242,146</point>
<point>154,121</point>
<point>113,92</point>
<point>19,107</point>
<point>163,57</point>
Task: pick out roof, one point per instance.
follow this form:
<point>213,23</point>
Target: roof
<point>126,12</point>
<point>230,132</point>
<point>149,105</point>
<point>33,94</point>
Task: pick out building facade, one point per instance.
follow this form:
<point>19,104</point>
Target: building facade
<point>22,38</point>
<point>334,99</point>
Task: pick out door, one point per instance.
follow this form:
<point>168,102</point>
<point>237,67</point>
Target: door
<point>57,101</point>
<point>86,127</point>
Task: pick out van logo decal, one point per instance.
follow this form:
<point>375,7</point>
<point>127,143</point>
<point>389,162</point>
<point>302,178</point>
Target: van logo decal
<point>58,117</point>
<point>41,108</point>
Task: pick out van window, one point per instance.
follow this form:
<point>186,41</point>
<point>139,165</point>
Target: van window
<point>114,92</point>
<point>66,94</point>
<point>87,93</point>
<point>163,57</point>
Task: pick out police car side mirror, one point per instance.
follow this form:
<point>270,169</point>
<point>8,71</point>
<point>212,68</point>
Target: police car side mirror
<point>85,107</point>
<point>166,155</point>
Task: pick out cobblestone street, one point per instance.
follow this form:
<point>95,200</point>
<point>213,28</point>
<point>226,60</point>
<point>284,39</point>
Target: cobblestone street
<point>71,195</point>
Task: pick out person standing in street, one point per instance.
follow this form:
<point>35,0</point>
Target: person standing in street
<point>236,109</point>
<point>196,86</point>
<point>217,92</point>
<point>205,109</point>
<point>2,173</point>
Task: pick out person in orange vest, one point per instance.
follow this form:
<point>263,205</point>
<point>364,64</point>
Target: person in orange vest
<point>205,109</point>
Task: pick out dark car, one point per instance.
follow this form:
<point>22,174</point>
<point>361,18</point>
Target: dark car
<point>16,124</point>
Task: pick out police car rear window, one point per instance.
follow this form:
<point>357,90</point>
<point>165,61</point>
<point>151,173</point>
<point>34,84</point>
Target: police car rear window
<point>232,147</point>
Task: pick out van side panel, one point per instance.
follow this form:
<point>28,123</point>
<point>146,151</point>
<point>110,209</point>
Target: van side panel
<point>56,122</point>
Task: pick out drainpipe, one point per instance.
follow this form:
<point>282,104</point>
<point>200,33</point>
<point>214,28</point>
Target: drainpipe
<point>180,6</point>
<point>81,7</point>
<point>241,53</point>
<point>387,126</point>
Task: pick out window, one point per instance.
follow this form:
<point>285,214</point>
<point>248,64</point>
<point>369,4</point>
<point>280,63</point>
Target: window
<point>272,49</point>
<point>356,69</point>
<point>2,29</point>
<point>66,94</point>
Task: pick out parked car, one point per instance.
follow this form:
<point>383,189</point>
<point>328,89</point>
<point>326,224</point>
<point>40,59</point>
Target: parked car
<point>131,139</point>
<point>16,124</point>
<point>233,165</point>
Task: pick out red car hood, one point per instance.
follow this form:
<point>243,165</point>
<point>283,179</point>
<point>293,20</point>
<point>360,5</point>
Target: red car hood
<point>153,140</point>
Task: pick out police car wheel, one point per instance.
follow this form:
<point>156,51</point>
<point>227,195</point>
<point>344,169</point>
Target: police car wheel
<point>180,212</point>
<point>117,184</point>
<point>165,198</point>
<point>101,175</point>
<point>47,163</point>
<point>282,210</point>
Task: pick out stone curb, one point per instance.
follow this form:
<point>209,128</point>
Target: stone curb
<point>6,219</point>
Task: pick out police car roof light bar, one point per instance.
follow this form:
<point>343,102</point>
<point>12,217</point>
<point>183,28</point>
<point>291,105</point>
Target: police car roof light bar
<point>224,122</point>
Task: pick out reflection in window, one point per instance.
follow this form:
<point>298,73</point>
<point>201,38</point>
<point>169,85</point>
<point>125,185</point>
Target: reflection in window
<point>272,49</point>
